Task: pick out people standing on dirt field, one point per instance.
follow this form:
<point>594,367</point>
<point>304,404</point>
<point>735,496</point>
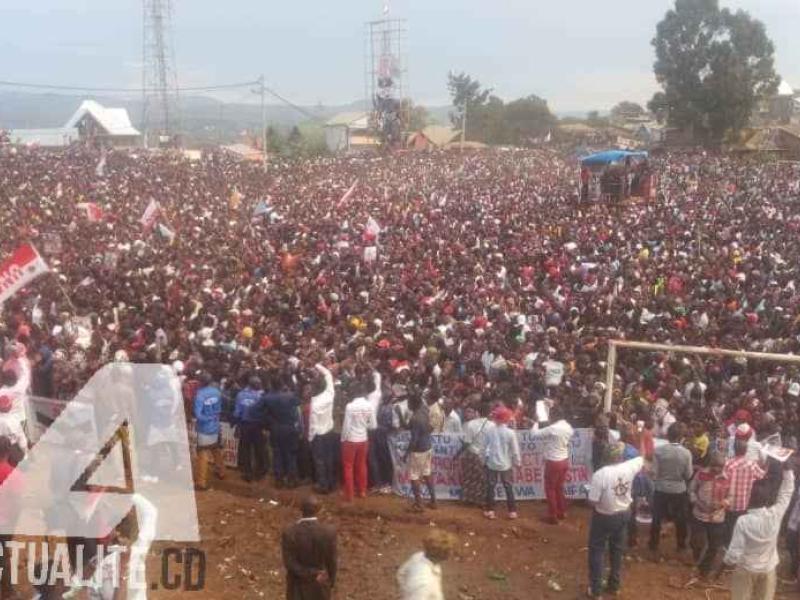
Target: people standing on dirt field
<point>672,471</point>
<point>419,455</point>
<point>709,494</point>
<point>282,411</point>
<point>420,577</point>
<point>359,418</point>
<point>310,555</point>
<point>501,455</point>
<point>248,417</point>
<point>471,454</point>
<point>742,473</point>
<point>610,498</point>
<point>753,550</point>
<point>555,439</point>
<point>207,409</point>
<point>321,433</point>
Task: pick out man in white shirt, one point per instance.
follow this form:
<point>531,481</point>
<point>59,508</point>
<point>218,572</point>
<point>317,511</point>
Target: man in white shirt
<point>555,441</point>
<point>610,495</point>
<point>754,547</point>
<point>321,435</point>
<point>420,577</point>
<point>359,418</point>
<point>452,422</point>
<point>11,428</point>
<point>501,455</point>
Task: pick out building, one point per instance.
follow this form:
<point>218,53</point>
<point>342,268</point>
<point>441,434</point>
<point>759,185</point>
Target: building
<point>432,137</point>
<point>781,109</point>
<point>107,126</point>
<point>349,132</point>
<point>45,138</point>
<point>782,141</point>
<point>244,152</point>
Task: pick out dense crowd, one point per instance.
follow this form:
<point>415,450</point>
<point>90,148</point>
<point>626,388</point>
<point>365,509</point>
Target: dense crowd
<point>472,284</point>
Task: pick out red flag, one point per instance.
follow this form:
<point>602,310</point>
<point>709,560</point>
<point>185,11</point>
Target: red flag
<point>93,212</point>
<point>150,216</point>
<point>19,270</point>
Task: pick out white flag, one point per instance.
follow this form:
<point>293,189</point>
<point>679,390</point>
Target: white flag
<point>100,170</point>
<point>150,215</point>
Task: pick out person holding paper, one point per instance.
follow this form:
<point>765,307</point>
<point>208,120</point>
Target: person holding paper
<point>555,441</point>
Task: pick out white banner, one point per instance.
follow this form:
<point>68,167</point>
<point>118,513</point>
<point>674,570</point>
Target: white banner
<point>528,478</point>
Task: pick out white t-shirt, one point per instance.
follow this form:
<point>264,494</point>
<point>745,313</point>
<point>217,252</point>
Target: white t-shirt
<point>612,485</point>
<point>420,579</point>
<point>359,417</point>
<point>554,440</point>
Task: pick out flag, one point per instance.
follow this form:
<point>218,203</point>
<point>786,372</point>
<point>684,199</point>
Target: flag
<point>100,169</point>
<point>372,227</point>
<point>92,211</point>
<point>150,215</point>
<point>261,209</point>
<point>59,190</point>
<point>235,199</point>
<point>166,233</point>
<point>19,270</point>
<point>347,194</point>
<point>548,137</point>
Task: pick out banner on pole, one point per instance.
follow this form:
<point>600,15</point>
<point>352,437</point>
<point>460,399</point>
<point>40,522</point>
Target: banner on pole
<point>528,478</point>
<point>19,270</point>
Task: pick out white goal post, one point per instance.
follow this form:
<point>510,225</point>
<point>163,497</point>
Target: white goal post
<point>611,362</point>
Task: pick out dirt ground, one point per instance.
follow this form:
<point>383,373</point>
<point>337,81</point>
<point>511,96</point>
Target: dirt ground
<point>523,560</point>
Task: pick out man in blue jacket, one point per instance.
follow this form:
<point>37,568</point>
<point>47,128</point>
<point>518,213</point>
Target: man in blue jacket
<point>283,421</point>
<point>207,409</point>
<point>248,415</point>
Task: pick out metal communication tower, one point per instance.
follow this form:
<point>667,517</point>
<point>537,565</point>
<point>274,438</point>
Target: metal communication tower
<point>385,76</point>
<point>160,118</point>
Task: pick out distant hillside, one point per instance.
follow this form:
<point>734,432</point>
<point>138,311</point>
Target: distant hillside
<point>202,117</point>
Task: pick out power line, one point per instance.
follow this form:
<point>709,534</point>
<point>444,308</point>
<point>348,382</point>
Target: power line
<point>44,86</point>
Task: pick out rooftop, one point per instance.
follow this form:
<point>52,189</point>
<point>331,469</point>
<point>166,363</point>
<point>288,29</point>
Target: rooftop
<point>115,121</point>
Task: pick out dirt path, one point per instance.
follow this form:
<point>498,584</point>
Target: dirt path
<point>522,560</point>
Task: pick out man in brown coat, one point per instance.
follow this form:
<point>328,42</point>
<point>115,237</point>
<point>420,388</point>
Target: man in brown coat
<point>309,554</point>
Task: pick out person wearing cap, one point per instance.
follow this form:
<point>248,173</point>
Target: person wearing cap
<point>420,577</point>
<point>742,472</point>
<point>248,417</point>
<point>672,470</point>
<point>555,440</point>
<point>753,549</point>
<point>501,455</point>
<point>709,493</point>
<point>207,410</point>
<point>610,497</point>
<point>309,555</point>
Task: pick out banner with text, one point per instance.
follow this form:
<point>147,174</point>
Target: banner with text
<point>528,478</point>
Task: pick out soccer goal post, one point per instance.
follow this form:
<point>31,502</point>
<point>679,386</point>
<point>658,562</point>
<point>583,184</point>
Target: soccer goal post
<point>611,362</point>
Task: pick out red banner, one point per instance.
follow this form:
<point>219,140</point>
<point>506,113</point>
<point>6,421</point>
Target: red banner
<point>24,266</point>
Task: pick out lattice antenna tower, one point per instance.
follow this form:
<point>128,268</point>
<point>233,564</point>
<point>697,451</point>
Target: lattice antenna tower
<point>160,116</point>
<point>385,77</point>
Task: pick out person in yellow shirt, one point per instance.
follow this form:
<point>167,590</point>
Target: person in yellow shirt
<point>698,443</point>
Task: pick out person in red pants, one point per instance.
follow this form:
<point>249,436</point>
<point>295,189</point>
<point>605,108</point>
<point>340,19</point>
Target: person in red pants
<point>359,418</point>
<point>555,445</point>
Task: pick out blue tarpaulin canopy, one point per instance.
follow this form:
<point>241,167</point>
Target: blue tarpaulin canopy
<point>610,157</point>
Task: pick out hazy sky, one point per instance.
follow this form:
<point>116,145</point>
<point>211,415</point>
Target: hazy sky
<point>579,54</point>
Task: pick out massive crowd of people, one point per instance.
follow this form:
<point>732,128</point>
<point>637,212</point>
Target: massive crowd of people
<point>320,305</point>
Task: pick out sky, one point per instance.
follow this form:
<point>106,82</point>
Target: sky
<point>578,54</point>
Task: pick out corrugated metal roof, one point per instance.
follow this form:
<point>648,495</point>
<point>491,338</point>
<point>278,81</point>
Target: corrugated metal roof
<point>55,137</point>
<point>114,120</point>
<point>356,120</point>
<point>784,89</point>
<point>439,135</point>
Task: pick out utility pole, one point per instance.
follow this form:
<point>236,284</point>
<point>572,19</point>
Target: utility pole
<point>262,90</point>
<point>464,126</point>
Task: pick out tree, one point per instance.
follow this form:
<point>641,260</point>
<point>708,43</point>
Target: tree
<point>626,110</point>
<point>715,67</point>
<point>659,106</point>
<point>418,117</point>
<point>465,92</point>
<point>527,119</point>
<point>594,119</point>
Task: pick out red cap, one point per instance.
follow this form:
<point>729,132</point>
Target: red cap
<point>5,404</point>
